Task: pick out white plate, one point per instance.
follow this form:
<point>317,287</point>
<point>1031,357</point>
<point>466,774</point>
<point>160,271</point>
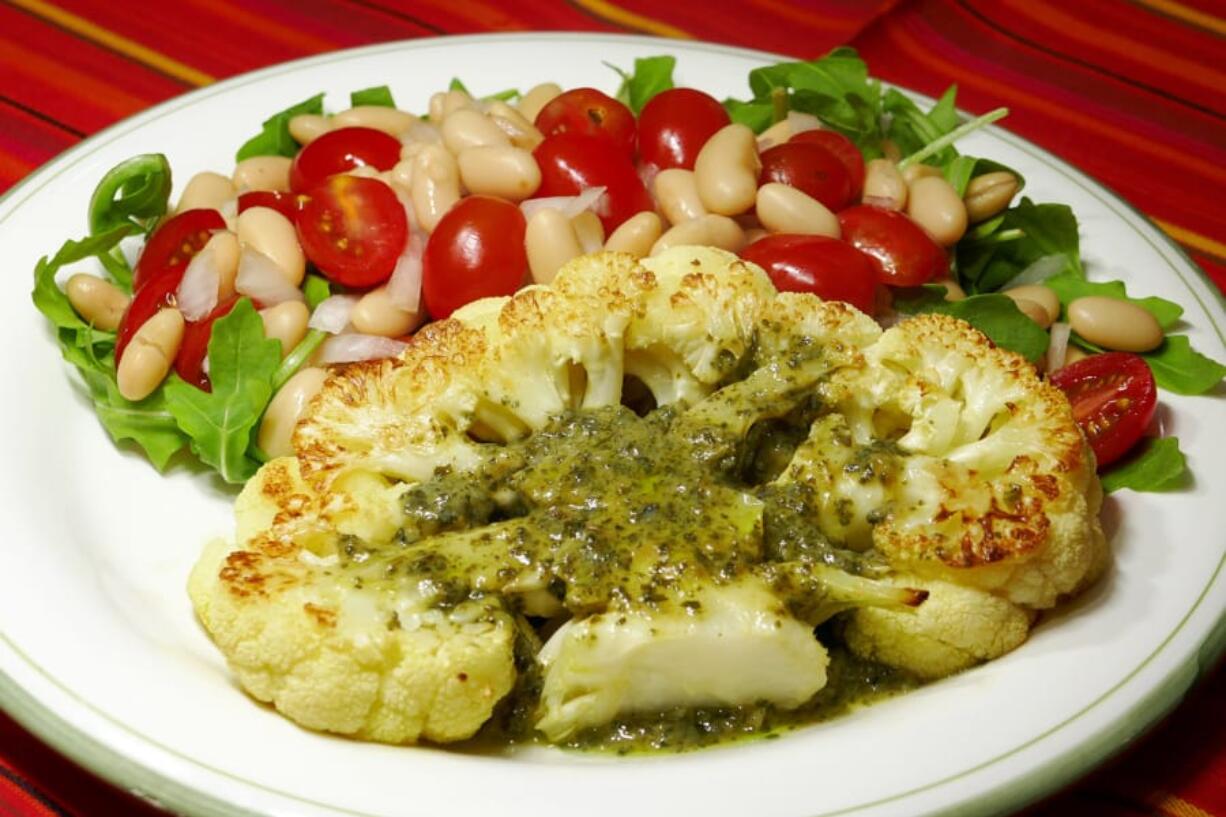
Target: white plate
<point>100,654</point>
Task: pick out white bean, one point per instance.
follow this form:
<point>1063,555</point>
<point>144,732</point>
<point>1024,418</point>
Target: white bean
<point>262,173</point>
<point>989,194</point>
<point>589,231</point>
<point>521,132</point>
<point>225,250</point>
<point>784,209</point>
<point>933,204</point>
<point>884,185</point>
<point>538,97</point>
<point>435,185</point>
<point>206,190</point>
<point>375,314</point>
<point>287,323</point>
<point>98,301</point>
<point>270,233</point>
<point>392,121</point>
<point>726,170</point>
<point>445,103</point>
<point>149,355</point>
<point>677,192</point>
<point>499,170</point>
<point>307,127</point>
<point>550,241</point>
<point>710,230</point>
<point>1115,324</point>
<point>1041,295</point>
<point>636,235</point>
<point>285,409</point>
<point>467,128</point>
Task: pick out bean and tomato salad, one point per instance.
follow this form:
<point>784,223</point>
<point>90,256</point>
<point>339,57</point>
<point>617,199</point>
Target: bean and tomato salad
<point>377,220</point>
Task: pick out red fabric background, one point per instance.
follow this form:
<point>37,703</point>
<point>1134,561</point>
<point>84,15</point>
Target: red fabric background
<point>1134,93</point>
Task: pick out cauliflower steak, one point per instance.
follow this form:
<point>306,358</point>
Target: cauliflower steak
<point>640,489</point>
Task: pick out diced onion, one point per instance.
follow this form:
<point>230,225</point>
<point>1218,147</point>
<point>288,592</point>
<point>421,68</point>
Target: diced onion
<point>260,278</point>
<point>352,348</point>
<point>1039,271</point>
<point>569,206</point>
<point>197,293</point>
<point>404,287</point>
<point>1057,350</point>
<point>800,122</point>
<point>332,314</point>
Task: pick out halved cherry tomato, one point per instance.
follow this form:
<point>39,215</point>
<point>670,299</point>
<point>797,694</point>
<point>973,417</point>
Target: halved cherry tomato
<point>675,124</point>
<point>590,112</point>
<point>826,267</point>
<point>174,243</point>
<point>1113,397</point>
<point>901,251</point>
<point>287,204</point>
<point>189,363</point>
<point>476,251</point>
<point>570,162</point>
<point>340,150</point>
<point>353,229</point>
<point>844,149</point>
<point>146,302</point>
<point>810,168</point>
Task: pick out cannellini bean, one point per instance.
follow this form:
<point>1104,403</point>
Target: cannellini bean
<point>1114,324</point>
<point>538,97</point>
<point>755,233</point>
<point>953,290</point>
<point>307,127</point>
<point>262,173</point>
<point>208,190</point>
<point>989,194</point>
<point>392,121</point>
<point>710,230</point>
<point>726,170</point>
<point>677,192</point>
<point>776,134</point>
<point>286,322</point>
<point>499,170</point>
<point>469,129</point>
<point>550,241</point>
<point>224,247</point>
<point>285,409</point>
<point>98,301</point>
<point>933,204</point>
<point>913,173</point>
<point>375,314</point>
<point>1034,311</point>
<point>884,185</point>
<point>1074,354</point>
<point>784,209</point>
<point>435,185</point>
<point>401,176</point>
<point>636,235</point>
<point>268,232</point>
<point>149,355</point>
<point>521,132</point>
<point>1041,295</point>
<point>589,231</point>
<point>445,103</point>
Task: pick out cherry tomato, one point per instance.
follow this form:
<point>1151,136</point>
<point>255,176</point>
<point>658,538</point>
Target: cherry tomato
<point>147,302</point>
<point>826,267</point>
<point>588,111</point>
<point>174,243</point>
<point>287,204</point>
<point>570,162</point>
<point>189,363</point>
<point>1113,397</point>
<point>340,150</point>
<point>844,149</point>
<point>901,251</point>
<point>675,124</point>
<point>476,251</point>
<point>353,229</point>
<point>810,168</point>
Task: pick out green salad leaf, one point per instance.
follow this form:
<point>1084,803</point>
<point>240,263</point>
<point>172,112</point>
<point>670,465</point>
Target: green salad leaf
<point>651,75</point>
<point>992,314</point>
<point>242,363</point>
<point>457,85</point>
<point>1157,465</point>
<point>1179,368</point>
<point>274,139</point>
<point>379,95</point>
<point>1069,287</point>
<point>135,191</point>
<point>317,289</point>
<point>757,116</point>
<point>999,250</point>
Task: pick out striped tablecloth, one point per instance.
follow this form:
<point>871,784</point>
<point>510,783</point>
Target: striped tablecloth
<point>1134,93</point>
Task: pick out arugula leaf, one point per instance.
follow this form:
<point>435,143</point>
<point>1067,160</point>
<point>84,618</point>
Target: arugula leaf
<point>1159,465</point>
<point>995,254</point>
<point>1179,368</point>
<point>994,315</point>
<point>298,357</point>
<point>242,363</point>
<point>317,290</point>
<point>136,191</point>
<point>757,116</point>
<point>942,146</point>
<point>274,139</point>
<point>379,95</point>
<point>1069,287</point>
<point>911,129</point>
<point>457,85</point>
<point>651,76</point>
<point>961,169</point>
<point>47,295</point>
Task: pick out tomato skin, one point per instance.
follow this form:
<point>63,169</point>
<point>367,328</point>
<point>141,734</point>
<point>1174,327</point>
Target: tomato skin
<point>570,162</point>
<point>476,251</point>
<point>339,151</point>
<point>902,252</point>
<point>174,242</point>
<point>189,362</point>
<point>353,229</point>
<point>287,204</point>
<point>1113,397</point>
<point>844,150</point>
<point>826,267</point>
<point>147,302</point>
<point>809,168</point>
<point>589,112</point>
<point>675,124</point>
